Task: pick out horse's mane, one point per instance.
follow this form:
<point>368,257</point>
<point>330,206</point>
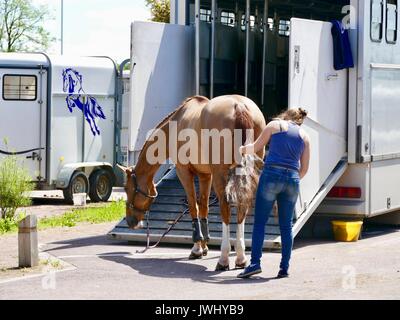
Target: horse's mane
<point>169,116</point>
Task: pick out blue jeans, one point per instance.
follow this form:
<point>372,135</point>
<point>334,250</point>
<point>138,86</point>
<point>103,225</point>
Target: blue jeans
<point>281,185</point>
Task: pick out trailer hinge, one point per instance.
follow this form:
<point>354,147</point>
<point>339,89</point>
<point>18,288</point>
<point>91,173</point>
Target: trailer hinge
<point>41,71</point>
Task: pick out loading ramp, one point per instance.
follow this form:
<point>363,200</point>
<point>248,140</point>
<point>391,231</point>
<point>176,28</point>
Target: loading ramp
<point>171,202</point>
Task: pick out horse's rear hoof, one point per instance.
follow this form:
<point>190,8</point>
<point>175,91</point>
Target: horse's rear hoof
<point>220,267</point>
<point>205,252</point>
<point>194,256</point>
<point>241,266</point>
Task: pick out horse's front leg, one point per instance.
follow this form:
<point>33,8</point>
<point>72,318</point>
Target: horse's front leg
<point>205,181</point>
<point>70,103</point>
<point>186,178</point>
<point>219,183</point>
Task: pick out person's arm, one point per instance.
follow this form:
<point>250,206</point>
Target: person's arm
<point>305,157</point>
<point>260,143</point>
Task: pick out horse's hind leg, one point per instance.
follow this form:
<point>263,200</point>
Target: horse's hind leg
<point>205,181</point>
<point>186,178</point>
<point>89,118</point>
<point>93,125</point>
<point>219,183</point>
<point>240,246</point>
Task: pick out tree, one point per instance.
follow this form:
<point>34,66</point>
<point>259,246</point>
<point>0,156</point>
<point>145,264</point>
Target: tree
<point>21,26</point>
<point>160,10</point>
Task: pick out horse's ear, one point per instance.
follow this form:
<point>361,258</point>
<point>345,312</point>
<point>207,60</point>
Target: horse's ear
<point>122,168</point>
<point>127,170</point>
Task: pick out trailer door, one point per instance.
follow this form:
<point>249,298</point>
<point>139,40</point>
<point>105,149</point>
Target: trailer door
<point>23,118</point>
<point>162,75</point>
<point>315,86</point>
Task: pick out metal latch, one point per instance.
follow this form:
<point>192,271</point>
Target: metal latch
<point>332,76</point>
<point>297,59</point>
<point>35,156</point>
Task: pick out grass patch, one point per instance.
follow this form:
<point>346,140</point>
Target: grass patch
<point>109,213</point>
<point>49,262</point>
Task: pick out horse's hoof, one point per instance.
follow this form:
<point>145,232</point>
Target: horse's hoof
<point>194,256</point>
<point>220,267</point>
<point>241,265</point>
<point>205,252</point>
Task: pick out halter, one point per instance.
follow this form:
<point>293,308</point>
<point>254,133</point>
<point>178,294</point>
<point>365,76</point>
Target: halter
<point>137,190</point>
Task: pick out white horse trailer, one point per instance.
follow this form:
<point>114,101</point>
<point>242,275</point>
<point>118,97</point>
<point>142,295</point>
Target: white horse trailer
<point>280,54</point>
<point>58,114</point>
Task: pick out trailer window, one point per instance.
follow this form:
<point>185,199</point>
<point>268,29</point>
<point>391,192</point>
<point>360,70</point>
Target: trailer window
<point>228,18</point>
<point>391,21</point>
<point>284,28</point>
<point>252,22</point>
<point>376,20</point>
<point>271,24</point>
<point>205,15</point>
<point>19,87</point>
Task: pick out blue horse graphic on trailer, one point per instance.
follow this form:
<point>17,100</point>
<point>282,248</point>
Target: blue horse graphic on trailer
<point>78,98</point>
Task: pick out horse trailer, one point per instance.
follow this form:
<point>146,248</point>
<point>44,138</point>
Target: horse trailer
<point>280,53</point>
<point>59,115</point>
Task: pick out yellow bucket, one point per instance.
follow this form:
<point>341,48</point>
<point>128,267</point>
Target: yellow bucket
<point>347,231</point>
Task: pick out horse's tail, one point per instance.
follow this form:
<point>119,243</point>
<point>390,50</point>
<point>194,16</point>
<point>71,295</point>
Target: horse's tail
<point>243,120</point>
<point>242,184</point>
<point>243,179</point>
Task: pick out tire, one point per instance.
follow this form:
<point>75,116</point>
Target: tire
<point>101,183</point>
<point>79,183</point>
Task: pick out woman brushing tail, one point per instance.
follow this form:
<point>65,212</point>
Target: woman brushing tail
<point>286,163</point>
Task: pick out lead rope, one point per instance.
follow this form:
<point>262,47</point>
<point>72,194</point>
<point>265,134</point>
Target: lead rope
<point>148,247</point>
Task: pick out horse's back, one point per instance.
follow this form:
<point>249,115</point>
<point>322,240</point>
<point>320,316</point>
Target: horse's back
<point>188,114</point>
<point>220,112</point>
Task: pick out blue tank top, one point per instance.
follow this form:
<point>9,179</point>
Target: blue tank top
<point>286,148</point>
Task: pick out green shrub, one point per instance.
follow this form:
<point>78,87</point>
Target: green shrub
<point>8,225</point>
<point>15,183</point>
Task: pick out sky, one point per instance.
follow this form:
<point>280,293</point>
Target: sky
<point>94,27</point>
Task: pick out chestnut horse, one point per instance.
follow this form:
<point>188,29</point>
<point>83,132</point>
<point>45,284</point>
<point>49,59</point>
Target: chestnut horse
<point>234,113</point>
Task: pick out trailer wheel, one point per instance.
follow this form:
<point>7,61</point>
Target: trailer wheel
<point>101,183</point>
<point>79,184</point>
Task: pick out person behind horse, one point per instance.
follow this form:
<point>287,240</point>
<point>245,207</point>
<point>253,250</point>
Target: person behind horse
<point>286,163</point>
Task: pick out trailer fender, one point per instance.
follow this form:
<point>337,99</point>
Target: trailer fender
<point>65,174</point>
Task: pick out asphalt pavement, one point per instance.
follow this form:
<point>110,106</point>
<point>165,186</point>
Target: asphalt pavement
<point>104,269</point>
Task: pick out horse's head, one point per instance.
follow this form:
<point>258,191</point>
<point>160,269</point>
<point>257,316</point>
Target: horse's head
<point>72,81</point>
<point>139,198</point>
